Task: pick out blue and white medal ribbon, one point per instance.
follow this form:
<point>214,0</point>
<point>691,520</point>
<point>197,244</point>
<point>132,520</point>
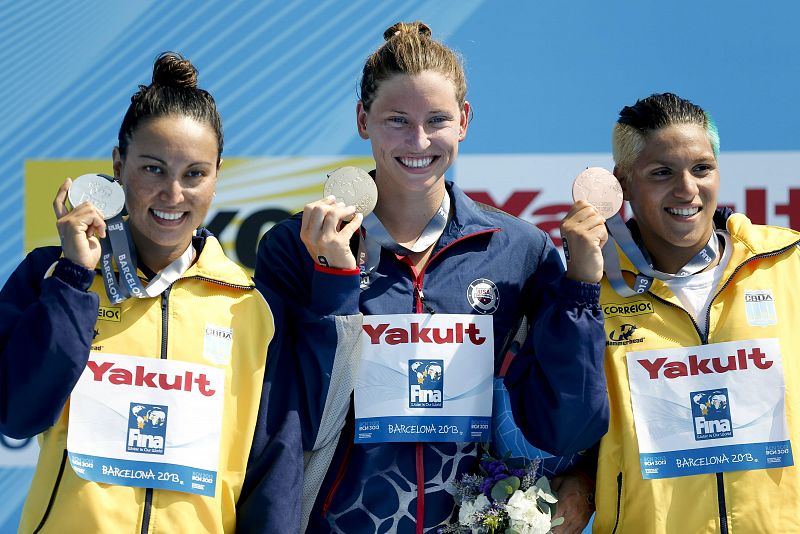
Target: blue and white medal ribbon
<point>117,247</point>
<point>618,233</point>
<point>375,236</point>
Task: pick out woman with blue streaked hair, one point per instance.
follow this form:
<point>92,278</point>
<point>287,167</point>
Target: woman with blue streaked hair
<point>704,384</point>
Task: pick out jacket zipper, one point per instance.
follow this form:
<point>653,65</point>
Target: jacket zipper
<point>53,494</point>
<point>619,501</point>
<point>421,306</point>
<point>720,479</point>
<point>148,492</point>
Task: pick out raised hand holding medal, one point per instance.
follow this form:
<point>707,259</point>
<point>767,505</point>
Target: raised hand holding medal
<point>329,223</point>
<point>599,188</point>
<point>80,229</point>
<point>597,195</point>
<point>87,239</point>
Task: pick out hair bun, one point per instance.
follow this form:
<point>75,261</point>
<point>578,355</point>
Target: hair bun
<point>413,28</point>
<point>173,70</point>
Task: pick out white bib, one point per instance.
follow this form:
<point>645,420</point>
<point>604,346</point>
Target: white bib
<point>147,423</point>
<point>710,409</point>
<point>425,378</point>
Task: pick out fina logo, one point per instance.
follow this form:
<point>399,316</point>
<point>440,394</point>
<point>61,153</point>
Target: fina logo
<point>147,428</point>
<point>425,383</point>
<point>711,414</point>
<point>483,296</point>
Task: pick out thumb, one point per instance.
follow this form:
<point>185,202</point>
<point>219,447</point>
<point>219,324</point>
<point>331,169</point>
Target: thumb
<point>353,226</point>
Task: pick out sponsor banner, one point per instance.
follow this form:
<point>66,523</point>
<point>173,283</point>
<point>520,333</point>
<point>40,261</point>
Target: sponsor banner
<point>716,459</point>
<point>433,428</point>
<point>538,187</point>
<point>711,408</point>
<point>173,477</point>
<point>425,378</point>
<point>253,194</point>
<point>147,422</point>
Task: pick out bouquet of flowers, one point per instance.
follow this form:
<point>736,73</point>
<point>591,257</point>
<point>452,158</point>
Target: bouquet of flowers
<point>504,500</point>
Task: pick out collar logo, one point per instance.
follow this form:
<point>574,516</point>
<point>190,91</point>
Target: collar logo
<point>483,296</point>
<point>759,306</point>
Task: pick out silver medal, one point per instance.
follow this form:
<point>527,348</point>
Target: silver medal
<point>103,192</point>
<point>353,187</point>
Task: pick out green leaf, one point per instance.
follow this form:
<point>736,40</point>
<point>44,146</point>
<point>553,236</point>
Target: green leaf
<point>503,489</point>
<point>556,522</point>
<point>544,485</point>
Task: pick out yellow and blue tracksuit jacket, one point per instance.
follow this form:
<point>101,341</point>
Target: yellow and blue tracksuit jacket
<point>737,502</point>
<point>49,325</point>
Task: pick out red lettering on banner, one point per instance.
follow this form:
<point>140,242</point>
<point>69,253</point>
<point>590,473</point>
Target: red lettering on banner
<point>548,217</point>
<point>121,376</point>
<point>515,204</point>
<point>418,334</point>
<point>755,205</point>
<point>700,366</point>
<point>791,209</point>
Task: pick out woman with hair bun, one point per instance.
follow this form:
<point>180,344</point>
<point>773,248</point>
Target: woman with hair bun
<point>433,254</point>
<point>151,412</point>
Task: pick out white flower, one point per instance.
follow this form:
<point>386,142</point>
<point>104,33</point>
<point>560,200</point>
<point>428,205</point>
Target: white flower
<point>524,516</point>
<point>466,515</point>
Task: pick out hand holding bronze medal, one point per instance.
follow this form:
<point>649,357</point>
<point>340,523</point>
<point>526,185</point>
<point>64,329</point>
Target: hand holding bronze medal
<point>599,188</point>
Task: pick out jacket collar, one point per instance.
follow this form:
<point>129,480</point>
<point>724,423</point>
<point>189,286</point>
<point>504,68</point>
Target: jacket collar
<point>747,240</point>
<point>466,218</point>
<point>213,264</point>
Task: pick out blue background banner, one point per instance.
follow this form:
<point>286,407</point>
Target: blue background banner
<point>544,78</point>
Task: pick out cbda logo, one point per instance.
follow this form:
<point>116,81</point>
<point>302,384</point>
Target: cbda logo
<point>711,414</point>
<point>147,428</point>
<point>425,383</point>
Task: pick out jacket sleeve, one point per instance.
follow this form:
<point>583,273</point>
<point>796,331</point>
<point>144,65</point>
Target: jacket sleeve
<point>322,329</point>
<point>270,497</point>
<point>46,331</point>
<point>556,382</point>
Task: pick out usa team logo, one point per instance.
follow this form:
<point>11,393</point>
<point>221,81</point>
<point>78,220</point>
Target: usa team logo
<point>711,414</point>
<point>147,428</point>
<point>425,383</point>
<point>483,296</point>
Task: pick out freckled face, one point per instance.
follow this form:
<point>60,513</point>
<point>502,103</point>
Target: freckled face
<point>415,124</point>
<point>672,188</point>
<point>169,175</point>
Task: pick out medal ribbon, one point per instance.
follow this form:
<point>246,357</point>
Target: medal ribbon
<point>618,233</point>
<point>374,237</point>
<point>117,246</point>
